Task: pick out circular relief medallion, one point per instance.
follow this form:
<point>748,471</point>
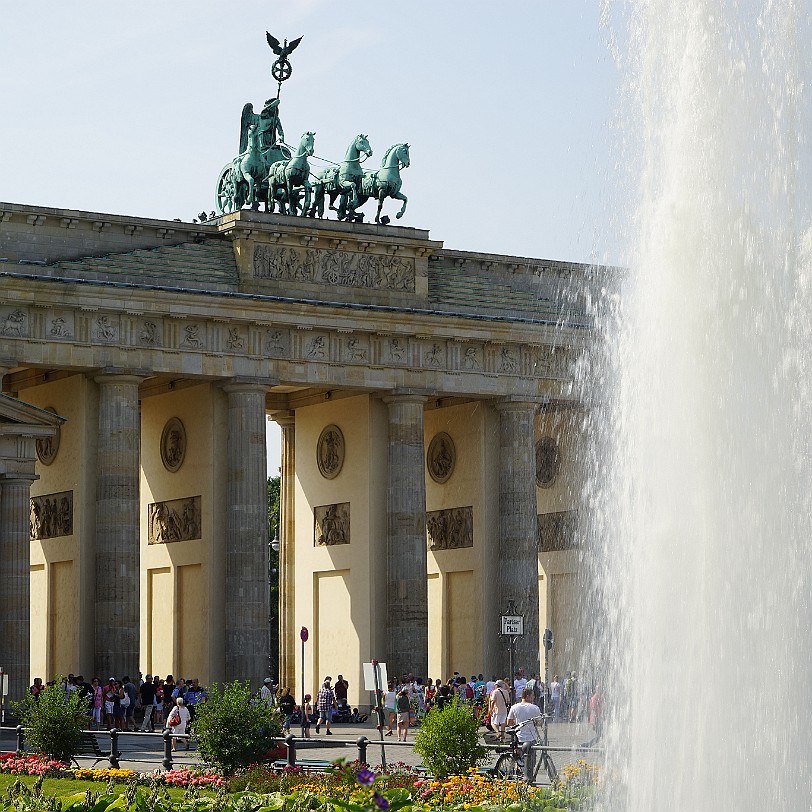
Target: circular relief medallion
<point>330,452</point>
<point>47,447</point>
<point>173,444</point>
<point>441,457</point>
<point>548,461</point>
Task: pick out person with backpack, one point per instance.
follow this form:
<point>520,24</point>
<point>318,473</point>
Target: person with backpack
<point>498,707</point>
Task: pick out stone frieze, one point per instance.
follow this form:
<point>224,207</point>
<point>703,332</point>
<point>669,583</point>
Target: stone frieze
<point>175,520</point>
<point>331,524</point>
<point>450,529</point>
<point>51,515</point>
<point>334,267</point>
<point>557,531</point>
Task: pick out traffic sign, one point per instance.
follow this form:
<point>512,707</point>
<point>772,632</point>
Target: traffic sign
<point>304,634</point>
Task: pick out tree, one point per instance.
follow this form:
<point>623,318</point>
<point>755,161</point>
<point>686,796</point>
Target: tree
<point>448,740</point>
<point>54,721</point>
<point>234,728</point>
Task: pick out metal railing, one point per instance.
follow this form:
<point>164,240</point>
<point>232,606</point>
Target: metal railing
<point>114,756</point>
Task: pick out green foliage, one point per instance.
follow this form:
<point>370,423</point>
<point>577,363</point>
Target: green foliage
<point>54,723</point>
<point>448,740</point>
<point>233,729</point>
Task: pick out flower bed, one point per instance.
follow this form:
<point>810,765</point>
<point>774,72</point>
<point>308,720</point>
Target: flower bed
<point>21,764</point>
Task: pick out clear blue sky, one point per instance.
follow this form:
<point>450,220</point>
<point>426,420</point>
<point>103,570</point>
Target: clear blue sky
<point>135,108</point>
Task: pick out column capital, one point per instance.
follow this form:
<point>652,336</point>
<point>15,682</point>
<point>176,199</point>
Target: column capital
<point>241,384</point>
<point>510,404</point>
<point>404,396</point>
<point>121,375</point>
<point>286,418</point>
<point>19,478</point>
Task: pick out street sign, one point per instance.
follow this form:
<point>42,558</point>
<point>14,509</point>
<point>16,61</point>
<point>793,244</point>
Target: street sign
<point>512,625</point>
<point>304,634</point>
<point>369,676</point>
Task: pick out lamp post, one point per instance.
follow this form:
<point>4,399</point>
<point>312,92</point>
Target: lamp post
<point>273,575</point>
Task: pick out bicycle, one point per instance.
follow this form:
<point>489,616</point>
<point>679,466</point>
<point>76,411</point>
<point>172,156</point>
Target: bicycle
<point>510,765</point>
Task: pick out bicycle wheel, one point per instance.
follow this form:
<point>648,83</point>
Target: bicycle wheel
<point>550,769</point>
<point>506,768</point>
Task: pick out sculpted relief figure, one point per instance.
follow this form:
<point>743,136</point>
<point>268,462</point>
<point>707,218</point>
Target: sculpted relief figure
<point>51,516</point>
<point>173,444</point>
<point>176,520</point>
<point>14,324</point>
<point>450,529</point>
<point>441,457</point>
<point>332,524</point>
<point>330,452</point>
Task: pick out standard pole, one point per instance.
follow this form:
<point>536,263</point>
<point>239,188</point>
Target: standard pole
<point>376,670</point>
<point>303,688</point>
<point>511,645</point>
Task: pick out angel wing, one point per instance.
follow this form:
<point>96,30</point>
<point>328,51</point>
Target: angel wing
<point>246,120</point>
<point>274,43</point>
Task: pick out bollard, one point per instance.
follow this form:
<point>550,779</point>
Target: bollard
<point>114,754</point>
<point>290,741</point>
<point>362,743</point>
<point>167,762</point>
<point>20,739</point>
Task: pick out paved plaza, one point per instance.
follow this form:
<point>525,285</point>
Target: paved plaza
<point>144,752</point>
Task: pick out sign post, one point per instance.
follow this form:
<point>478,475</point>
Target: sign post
<point>512,629</point>
<point>374,680</point>
<point>303,634</point>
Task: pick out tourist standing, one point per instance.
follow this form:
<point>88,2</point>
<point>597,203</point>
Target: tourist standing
<point>147,694</point>
<point>340,689</point>
<point>286,704</point>
<point>555,696</point>
<point>325,702</point>
<point>266,693</point>
<point>498,706</point>
<point>403,706</point>
<point>307,715</point>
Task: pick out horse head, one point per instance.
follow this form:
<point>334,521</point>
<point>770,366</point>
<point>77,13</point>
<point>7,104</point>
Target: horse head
<point>308,143</point>
<point>362,144</point>
<point>402,153</point>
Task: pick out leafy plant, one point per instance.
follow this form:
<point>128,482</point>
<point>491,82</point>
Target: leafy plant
<point>233,730</point>
<point>54,721</point>
<point>448,740</point>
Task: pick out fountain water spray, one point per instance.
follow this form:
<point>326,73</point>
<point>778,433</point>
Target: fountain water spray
<point>700,496</point>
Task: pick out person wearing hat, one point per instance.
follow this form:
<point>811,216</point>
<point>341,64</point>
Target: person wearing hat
<point>266,693</point>
<point>498,706</point>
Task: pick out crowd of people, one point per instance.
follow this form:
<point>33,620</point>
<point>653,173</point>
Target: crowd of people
<point>151,703</point>
<point>136,705</point>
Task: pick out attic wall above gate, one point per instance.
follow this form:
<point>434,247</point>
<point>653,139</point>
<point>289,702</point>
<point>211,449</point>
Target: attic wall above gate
<point>308,302</point>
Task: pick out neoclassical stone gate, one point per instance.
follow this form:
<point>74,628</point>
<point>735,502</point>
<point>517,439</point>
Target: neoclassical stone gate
<point>164,346</point>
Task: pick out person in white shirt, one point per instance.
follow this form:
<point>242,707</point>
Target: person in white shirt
<point>524,711</point>
<point>518,684</point>
<point>266,693</point>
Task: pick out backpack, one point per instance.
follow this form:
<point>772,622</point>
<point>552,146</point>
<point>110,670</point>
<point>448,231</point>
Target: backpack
<point>469,691</point>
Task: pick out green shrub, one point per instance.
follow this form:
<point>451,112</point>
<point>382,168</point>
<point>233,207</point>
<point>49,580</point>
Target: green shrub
<point>233,728</point>
<point>53,722</point>
<point>448,740</point>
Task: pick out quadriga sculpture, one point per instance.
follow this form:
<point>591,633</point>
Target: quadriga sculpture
<point>386,182</point>
<point>286,177</point>
<point>344,180</point>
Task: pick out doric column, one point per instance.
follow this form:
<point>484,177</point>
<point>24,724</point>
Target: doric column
<point>518,527</point>
<point>407,589</point>
<point>287,551</point>
<point>247,602</point>
<point>118,541</point>
<point>15,590</point>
